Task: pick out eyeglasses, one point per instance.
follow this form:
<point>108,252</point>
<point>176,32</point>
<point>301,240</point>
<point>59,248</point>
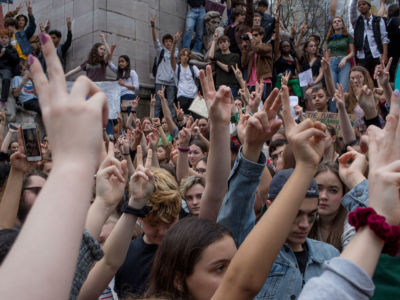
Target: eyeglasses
<point>200,170</point>
<point>34,189</point>
<point>255,34</point>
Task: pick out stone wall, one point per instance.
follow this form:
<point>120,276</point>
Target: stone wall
<point>125,22</point>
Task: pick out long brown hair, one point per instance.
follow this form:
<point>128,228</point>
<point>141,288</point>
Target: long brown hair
<point>337,226</point>
<point>351,99</point>
<point>94,58</point>
<point>331,31</point>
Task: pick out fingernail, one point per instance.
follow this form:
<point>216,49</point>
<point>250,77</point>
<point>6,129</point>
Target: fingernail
<point>43,38</point>
<point>396,92</point>
<point>31,60</point>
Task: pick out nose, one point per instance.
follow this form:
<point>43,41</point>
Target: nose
<point>302,222</point>
<point>323,195</point>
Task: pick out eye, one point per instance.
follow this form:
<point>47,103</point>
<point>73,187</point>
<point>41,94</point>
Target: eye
<point>333,190</point>
<point>220,268</point>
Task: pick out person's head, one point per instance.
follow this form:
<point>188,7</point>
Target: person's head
<point>337,25</point>
<point>241,4</point>
<point>286,47</point>
<point>279,135</point>
<point>258,33</point>
<point>257,19</point>
<point>166,205</point>
<point>191,260</point>
<point>124,67</point>
<point>162,154</point>
<point>11,25</point>
<point>316,39</point>
<point>147,125</point>
<point>359,76</point>
<point>55,37</point>
<point>262,6</point>
<point>164,125</point>
<point>364,6</point>
<point>22,21</point>
<point>393,11</point>
<point>320,99</point>
<point>276,149</point>
<point>32,184</point>
<point>96,54</point>
<point>13,147</point>
<point>238,15</point>
<point>307,213</point>
<point>198,150</point>
<point>23,66</point>
<point>201,167</point>
<point>331,190</point>
<point>7,239</point>
<point>4,37</point>
<point>191,190</point>
<point>184,56</point>
<point>310,48</point>
<point>167,41</point>
<point>224,43</point>
<point>203,126</point>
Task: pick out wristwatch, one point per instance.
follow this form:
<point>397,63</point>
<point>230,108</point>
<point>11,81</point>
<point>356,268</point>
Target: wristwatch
<point>140,213</point>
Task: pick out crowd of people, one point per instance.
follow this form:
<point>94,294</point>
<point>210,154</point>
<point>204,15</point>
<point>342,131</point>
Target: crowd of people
<point>253,200</point>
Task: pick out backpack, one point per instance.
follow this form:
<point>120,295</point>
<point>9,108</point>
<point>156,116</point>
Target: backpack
<point>157,62</point>
<point>196,80</point>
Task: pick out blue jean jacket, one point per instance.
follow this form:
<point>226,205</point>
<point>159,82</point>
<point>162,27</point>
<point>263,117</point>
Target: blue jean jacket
<point>285,280</point>
<point>23,36</point>
<point>356,197</point>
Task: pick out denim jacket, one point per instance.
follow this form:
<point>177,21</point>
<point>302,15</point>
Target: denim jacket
<point>23,36</point>
<point>285,280</point>
<point>357,197</point>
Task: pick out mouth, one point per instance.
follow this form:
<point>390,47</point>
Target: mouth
<point>301,235</point>
<point>323,206</point>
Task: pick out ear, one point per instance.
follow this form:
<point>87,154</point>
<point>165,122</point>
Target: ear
<point>334,139</point>
<point>268,202</point>
<point>178,283</point>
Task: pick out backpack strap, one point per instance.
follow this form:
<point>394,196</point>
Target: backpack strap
<point>192,70</point>
<point>161,57</point>
<point>179,72</point>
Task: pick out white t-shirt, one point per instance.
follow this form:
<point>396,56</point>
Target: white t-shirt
<point>186,85</point>
<point>27,92</point>
<point>132,80</point>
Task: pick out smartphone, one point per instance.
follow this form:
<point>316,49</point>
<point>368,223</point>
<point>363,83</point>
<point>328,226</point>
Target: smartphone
<point>13,126</point>
<point>30,135</point>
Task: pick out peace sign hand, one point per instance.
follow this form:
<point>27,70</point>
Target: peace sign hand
<point>141,185</point>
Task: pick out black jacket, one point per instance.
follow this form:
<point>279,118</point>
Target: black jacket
<point>268,22</point>
<point>10,59</point>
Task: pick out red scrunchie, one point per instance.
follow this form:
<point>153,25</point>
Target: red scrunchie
<point>390,234</point>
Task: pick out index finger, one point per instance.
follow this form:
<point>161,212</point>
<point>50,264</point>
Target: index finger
<point>149,159</point>
<point>21,148</point>
<point>271,99</point>
<point>287,113</point>
<point>139,156</point>
<point>110,150</point>
<point>387,68</point>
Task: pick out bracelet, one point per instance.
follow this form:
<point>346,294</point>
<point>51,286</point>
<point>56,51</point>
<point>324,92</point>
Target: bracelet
<point>183,149</point>
<point>125,153</point>
<point>140,213</point>
<point>389,234</point>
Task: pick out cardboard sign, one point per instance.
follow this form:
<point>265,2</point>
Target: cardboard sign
<point>199,107</point>
<point>329,118</point>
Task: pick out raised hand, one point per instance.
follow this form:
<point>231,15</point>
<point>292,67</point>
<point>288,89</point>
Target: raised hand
<point>305,138</point>
<point>177,36</point>
<point>255,97</point>
<point>381,73</point>
<point>69,23</point>
<point>367,103</point>
<point>64,112</point>
<point>29,7</point>
<point>325,62</point>
<point>352,167</point>
<point>111,179</point>
<point>18,159</point>
<point>285,78</point>
<point>161,93</point>
<point>153,21</point>
<point>339,97</point>
<point>184,137</point>
<point>153,100</point>
<point>141,184</point>
<point>154,138</point>
<point>219,103</point>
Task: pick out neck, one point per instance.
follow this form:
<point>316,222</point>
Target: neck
<point>184,64</point>
<point>367,15</point>
<point>225,51</point>
<point>326,221</point>
<point>325,109</point>
<point>338,31</point>
<point>295,247</point>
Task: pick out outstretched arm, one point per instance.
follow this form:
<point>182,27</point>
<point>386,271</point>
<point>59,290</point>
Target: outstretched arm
<point>73,71</point>
<point>41,242</point>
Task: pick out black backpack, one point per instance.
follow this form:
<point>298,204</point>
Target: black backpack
<point>157,62</point>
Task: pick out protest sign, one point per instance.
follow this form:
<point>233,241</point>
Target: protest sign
<point>112,89</point>
<point>329,118</point>
<point>199,107</point>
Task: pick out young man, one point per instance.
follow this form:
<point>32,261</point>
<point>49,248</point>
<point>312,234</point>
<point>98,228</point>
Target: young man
<point>276,149</point>
<point>165,74</point>
<point>267,21</point>
<point>257,57</point>
<point>224,61</point>
<point>300,258</point>
<point>8,64</point>
<point>61,48</point>
<point>132,277</point>
<point>370,36</point>
<point>195,20</point>
<point>20,39</point>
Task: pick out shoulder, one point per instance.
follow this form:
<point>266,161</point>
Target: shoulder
<point>321,251</point>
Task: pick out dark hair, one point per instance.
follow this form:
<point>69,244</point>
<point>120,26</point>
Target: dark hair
<point>236,12</point>
<point>224,38</point>
<point>124,73</point>
<point>393,11</point>
<point>94,58</point>
<point>237,2</point>
<point>335,235</point>
<point>167,37</point>
<point>179,252</point>
<point>257,14</point>
<point>10,22</point>
<point>7,239</point>
<point>316,37</point>
<point>199,143</point>
<point>57,33</point>
<point>263,3</point>
<point>23,209</point>
<point>338,146</point>
<point>316,89</point>
<point>258,29</point>
<point>277,143</point>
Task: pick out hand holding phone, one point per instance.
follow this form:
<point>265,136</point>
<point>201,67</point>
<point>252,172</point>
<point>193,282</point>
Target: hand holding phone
<point>30,135</point>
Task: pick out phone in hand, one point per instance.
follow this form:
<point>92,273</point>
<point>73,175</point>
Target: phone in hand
<point>30,135</point>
